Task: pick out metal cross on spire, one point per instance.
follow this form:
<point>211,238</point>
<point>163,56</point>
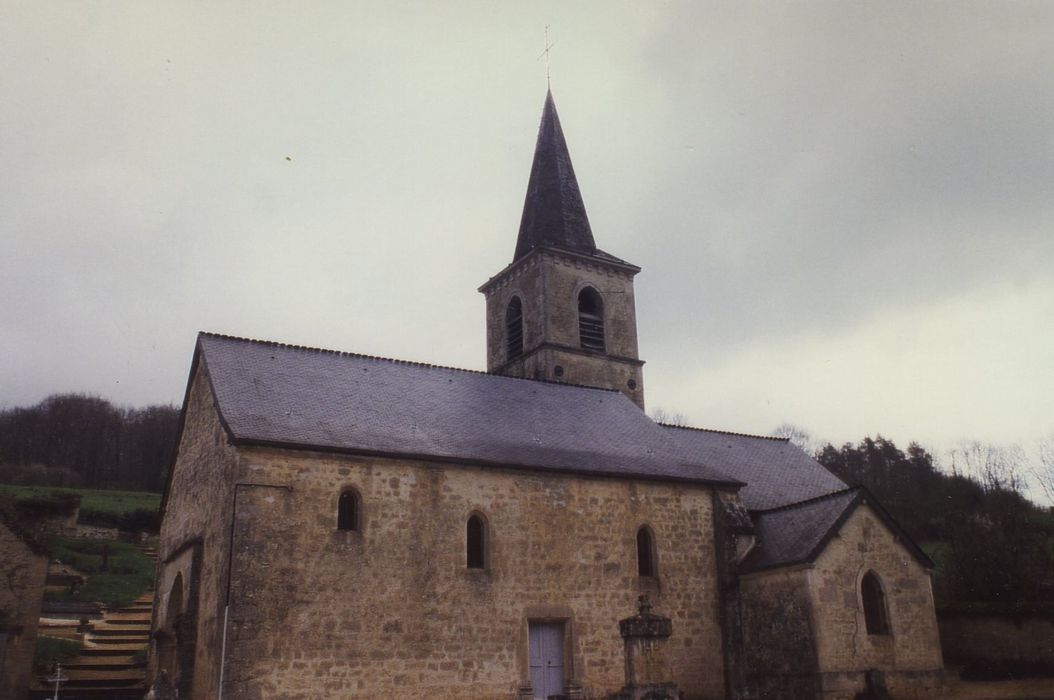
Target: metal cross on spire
<point>545,53</point>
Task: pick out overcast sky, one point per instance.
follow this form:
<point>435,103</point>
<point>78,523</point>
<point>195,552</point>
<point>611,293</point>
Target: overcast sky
<point>844,211</point>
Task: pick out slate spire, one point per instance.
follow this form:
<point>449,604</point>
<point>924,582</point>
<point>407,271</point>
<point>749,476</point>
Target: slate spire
<point>553,212</point>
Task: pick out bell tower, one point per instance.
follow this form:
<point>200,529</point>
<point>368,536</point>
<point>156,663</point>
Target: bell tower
<point>563,310</point>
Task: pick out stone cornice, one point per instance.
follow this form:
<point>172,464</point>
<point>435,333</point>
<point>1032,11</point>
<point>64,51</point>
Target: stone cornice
<point>517,267</point>
<point>568,349</point>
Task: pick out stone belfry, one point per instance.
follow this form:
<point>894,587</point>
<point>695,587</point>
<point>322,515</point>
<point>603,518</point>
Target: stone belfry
<point>563,310</point>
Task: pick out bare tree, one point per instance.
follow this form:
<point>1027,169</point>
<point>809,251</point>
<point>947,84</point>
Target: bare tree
<point>994,467</point>
<point>798,436</point>
<point>661,415</point>
<point>1044,471</point>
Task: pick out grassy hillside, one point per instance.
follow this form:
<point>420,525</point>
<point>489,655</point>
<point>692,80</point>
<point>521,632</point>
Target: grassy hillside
<point>127,574</point>
<point>96,501</point>
<point>131,511</point>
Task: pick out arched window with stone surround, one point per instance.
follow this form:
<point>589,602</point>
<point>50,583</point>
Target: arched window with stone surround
<point>646,559</point>
<point>591,320</point>
<point>348,510</point>
<point>476,542</point>
<point>514,329</point>
<point>876,615</point>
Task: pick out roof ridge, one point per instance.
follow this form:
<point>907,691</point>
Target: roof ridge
<point>810,501</point>
<point>724,432</point>
<point>397,361</point>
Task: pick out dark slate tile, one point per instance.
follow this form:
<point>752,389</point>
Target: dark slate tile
<point>269,393</point>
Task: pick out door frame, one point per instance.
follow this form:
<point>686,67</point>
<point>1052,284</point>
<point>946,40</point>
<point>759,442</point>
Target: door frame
<point>547,614</point>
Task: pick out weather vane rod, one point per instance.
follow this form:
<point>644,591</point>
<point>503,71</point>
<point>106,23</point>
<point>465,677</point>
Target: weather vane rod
<point>545,53</point>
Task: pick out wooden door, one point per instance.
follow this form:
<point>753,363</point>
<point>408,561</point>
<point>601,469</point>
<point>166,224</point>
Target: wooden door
<point>547,658</point>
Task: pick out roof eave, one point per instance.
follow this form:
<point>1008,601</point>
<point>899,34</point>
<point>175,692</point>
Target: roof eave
<point>861,497</point>
<point>476,462</point>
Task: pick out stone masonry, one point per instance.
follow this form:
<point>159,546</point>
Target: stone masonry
<point>392,609</point>
<point>21,591</point>
<point>194,546</point>
<point>910,655</point>
<point>803,627</point>
<point>548,283</point>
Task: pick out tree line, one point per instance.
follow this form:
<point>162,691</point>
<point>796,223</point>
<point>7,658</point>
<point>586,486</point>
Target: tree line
<point>990,543</point>
<point>80,440</point>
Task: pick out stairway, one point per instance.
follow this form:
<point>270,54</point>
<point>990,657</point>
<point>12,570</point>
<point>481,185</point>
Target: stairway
<point>112,660</point>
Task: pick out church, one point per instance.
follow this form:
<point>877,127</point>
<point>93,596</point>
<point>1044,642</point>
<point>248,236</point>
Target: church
<point>338,525</point>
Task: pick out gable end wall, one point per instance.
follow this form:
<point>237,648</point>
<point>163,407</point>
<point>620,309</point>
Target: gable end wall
<point>194,537</point>
<point>911,655</point>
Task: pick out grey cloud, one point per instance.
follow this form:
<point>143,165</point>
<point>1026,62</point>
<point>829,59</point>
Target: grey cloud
<point>346,176</point>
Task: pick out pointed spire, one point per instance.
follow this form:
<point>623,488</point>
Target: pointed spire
<point>553,211</point>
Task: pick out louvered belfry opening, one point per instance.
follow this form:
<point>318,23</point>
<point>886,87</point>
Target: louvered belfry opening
<point>514,329</point>
<point>591,320</point>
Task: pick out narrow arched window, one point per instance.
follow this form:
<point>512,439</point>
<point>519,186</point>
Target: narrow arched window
<point>348,511</point>
<point>591,319</point>
<point>876,617</point>
<point>514,329</point>
<point>476,555</point>
<point>645,552</point>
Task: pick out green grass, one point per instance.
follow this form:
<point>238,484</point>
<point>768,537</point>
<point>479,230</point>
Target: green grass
<point>51,649</point>
<point>126,510</point>
<point>95,500</point>
<point>128,575</point>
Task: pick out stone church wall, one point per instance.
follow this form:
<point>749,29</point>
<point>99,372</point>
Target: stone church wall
<point>392,611</point>
<point>779,653</point>
<point>566,277</point>
<point>910,656</point>
<point>525,279</point>
<point>21,591</point>
<point>193,549</point>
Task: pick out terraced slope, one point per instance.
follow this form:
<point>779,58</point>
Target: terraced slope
<point>111,663</point>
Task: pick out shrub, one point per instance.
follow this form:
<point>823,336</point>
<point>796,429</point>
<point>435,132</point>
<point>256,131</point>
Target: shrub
<point>50,650</point>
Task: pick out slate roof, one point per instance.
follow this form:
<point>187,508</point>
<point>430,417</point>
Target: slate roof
<point>798,533</point>
<point>553,212</point>
<point>795,534</point>
<point>776,472</point>
<point>273,394</point>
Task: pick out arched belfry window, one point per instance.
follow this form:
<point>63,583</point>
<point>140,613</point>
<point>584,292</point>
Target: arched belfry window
<point>876,616</point>
<point>591,319</point>
<point>476,542</point>
<point>645,552</point>
<point>348,510</point>
<point>514,329</point>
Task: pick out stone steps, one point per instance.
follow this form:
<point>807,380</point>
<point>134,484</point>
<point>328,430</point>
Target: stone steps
<point>120,630</point>
<point>102,662</point>
<point>119,640</point>
<point>111,663</point>
<point>109,649</point>
<point>128,618</point>
<point>94,679</point>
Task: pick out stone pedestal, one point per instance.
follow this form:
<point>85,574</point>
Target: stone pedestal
<point>645,635</point>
